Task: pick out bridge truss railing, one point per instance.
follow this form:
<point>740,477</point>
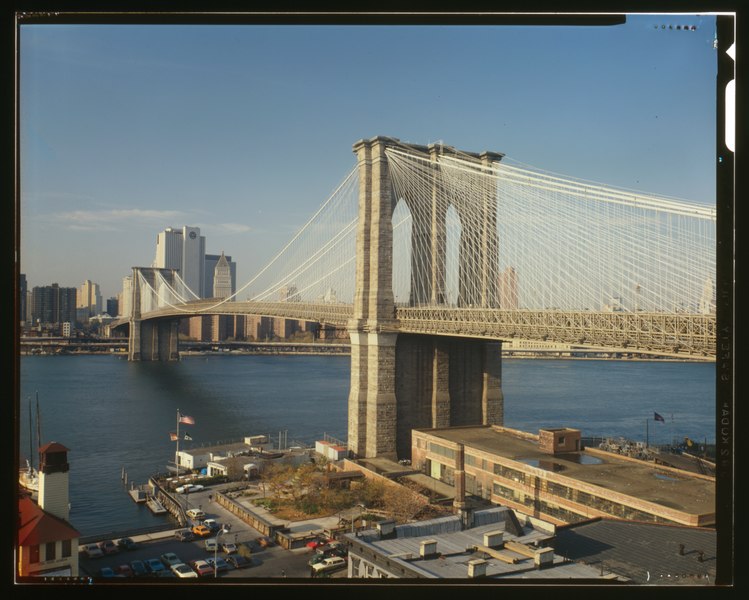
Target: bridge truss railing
<point>658,333</point>
<point>333,314</point>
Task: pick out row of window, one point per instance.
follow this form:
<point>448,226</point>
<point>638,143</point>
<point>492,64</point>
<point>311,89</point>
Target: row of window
<point>50,551</point>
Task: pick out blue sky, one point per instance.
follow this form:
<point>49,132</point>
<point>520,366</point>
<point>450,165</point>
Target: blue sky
<point>245,130</point>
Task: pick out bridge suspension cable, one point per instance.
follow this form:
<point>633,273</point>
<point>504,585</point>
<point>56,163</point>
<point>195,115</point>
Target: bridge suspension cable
<point>553,242</point>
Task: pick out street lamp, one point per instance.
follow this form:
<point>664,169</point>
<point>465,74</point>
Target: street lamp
<point>215,551</point>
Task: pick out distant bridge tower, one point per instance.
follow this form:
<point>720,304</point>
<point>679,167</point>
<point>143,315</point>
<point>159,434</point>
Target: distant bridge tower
<point>398,381</point>
<point>152,339</point>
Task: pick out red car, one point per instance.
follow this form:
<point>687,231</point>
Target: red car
<point>202,568</point>
<point>108,547</point>
<point>125,570</point>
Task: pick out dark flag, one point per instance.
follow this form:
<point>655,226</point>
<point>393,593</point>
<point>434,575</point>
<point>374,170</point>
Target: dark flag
<point>188,437</point>
<point>657,417</point>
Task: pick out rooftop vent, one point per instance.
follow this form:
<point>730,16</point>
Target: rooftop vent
<point>477,568</point>
<point>494,539</point>
<point>385,529</point>
<point>427,548</point>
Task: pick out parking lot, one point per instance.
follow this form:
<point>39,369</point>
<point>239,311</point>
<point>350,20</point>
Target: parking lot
<point>272,562</point>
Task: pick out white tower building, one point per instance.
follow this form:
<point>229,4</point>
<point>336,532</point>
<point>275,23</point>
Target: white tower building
<point>54,489</point>
<point>184,251</point>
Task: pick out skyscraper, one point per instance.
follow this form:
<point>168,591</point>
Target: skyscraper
<point>183,250</point>
<point>222,287</point>
<point>89,299</point>
<point>211,260</point>
<point>53,304</point>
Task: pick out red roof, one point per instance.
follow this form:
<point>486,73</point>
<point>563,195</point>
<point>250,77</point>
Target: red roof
<point>54,447</point>
<point>38,527</point>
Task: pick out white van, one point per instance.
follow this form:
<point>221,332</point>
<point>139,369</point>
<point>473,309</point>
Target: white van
<point>195,514</point>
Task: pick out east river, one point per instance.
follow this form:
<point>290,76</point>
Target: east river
<point>113,414</point>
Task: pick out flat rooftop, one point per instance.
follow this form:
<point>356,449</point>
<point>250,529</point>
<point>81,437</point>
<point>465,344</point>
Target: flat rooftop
<point>454,549</point>
<point>639,479</point>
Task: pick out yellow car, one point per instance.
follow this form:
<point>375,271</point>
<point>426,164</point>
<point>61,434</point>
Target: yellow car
<point>201,531</point>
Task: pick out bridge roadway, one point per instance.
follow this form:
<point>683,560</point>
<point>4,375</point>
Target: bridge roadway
<point>679,335</point>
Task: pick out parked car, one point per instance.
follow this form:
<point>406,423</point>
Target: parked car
<point>212,524</point>
<point>238,561</point>
<point>170,558</point>
<point>125,570</point>
<point>183,571</point>
<point>107,572</point>
<point>189,488</point>
<point>221,564</point>
<point>139,568</point>
<point>264,541</point>
<point>202,568</point>
<point>330,563</point>
<point>201,531</point>
<point>184,535</point>
<point>229,548</point>
<point>316,558</point>
<point>93,551</point>
<point>126,543</point>
<point>154,565</point>
<point>211,544</point>
<point>195,513</point>
<point>108,547</point>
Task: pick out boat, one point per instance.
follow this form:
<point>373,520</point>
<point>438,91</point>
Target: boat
<point>29,478</point>
<point>155,506</point>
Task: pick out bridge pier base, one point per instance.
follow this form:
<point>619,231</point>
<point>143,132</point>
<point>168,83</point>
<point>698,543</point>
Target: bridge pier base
<point>154,340</point>
<point>446,382</point>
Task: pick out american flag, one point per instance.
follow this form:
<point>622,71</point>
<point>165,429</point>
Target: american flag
<point>187,420</point>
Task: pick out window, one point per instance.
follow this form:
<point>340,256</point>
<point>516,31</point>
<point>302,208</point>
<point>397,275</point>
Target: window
<point>66,548</point>
<point>49,551</point>
<point>34,553</point>
<point>561,440</point>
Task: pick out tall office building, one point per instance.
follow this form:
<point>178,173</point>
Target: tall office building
<point>89,299</point>
<point>53,304</point>
<point>183,250</point>
<point>112,307</point>
<point>126,297</point>
<point>508,289</point>
<point>211,260</point>
<point>222,287</point>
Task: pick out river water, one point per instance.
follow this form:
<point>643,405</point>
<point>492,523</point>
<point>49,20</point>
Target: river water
<point>114,414</point>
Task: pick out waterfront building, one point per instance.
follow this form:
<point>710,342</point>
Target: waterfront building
<point>258,328</point>
<point>53,304</point>
<point>183,250</point>
<point>552,477</point>
<point>492,544</point>
<point>89,300</point>
<point>47,542</point>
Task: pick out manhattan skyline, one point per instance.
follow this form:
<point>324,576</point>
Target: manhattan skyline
<point>245,130</point>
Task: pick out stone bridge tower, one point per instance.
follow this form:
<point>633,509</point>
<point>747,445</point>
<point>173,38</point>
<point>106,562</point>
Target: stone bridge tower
<point>400,382</point>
